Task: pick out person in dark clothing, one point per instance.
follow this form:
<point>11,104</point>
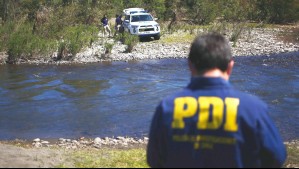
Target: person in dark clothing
<point>211,124</point>
<point>105,23</point>
<point>118,24</point>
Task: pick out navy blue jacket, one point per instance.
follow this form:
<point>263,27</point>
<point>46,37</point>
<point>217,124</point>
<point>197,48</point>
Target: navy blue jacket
<point>210,124</point>
<point>104,21</point>
<point>118,21</point>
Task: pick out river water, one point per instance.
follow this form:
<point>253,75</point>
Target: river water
<point>119,98</point>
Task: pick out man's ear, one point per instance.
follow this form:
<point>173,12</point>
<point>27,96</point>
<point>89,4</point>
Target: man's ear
<point>230,67</point>
<point>192,68</point>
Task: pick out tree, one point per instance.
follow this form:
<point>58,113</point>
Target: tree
<point>133,3</point>
<point>203,11</point>
<point>277,11</point>
<point>8,9</point>
<point>157,7</point>
<point>171,9</point>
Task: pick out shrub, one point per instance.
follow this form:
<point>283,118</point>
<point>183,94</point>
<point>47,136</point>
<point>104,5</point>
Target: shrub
<point>131,41</point>
<point>237,31</point>
<point>77,37</point>
<point>108,48</point>
<point>128,39</point>
<point>24,44</point>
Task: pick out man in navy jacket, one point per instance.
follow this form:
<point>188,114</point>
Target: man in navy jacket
<point>105,23</point>
<point>209,123</point>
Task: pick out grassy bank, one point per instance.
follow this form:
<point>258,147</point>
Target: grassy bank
<point>109,158</point>
<point>136,158</point>
<point>21,43</point>
<point>62,29</point>
<point>20,154</point>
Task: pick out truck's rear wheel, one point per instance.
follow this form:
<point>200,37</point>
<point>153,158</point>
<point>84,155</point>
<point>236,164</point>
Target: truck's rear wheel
<point>157,37</point>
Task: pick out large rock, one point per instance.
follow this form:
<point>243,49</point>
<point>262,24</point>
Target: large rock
<point>3,57</point>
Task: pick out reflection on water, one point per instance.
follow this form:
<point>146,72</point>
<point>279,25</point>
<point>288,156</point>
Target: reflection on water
<point>119,98</point>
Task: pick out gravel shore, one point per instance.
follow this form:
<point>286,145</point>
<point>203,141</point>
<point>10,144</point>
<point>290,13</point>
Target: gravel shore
<point>118,142</point>
<point>254,41</point>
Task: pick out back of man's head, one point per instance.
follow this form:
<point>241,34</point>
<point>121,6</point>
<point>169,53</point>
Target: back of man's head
<point>210,51</point>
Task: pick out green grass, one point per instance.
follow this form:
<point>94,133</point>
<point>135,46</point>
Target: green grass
<point>110,158</point>
<point>293,156</point>
<point>183,33</point>
<point>136,158</point>
<point>183,38</point>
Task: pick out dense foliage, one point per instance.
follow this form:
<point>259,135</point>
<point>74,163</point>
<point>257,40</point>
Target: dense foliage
<point>30,28</point>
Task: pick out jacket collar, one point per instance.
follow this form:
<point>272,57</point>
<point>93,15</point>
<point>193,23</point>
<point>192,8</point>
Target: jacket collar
<point>204,82</point>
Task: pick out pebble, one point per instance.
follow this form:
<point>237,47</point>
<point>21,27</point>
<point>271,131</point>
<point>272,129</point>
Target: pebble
<point>36,140</point>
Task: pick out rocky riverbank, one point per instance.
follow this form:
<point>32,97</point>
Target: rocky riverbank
<point>253,41</point>
<point>118,142</point>
<point>258,41</point>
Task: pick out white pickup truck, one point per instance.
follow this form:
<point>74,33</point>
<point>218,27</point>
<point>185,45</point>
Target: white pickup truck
<point>139,22</point>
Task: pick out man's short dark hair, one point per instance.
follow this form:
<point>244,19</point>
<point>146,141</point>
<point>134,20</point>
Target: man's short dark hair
<point>210,51</point>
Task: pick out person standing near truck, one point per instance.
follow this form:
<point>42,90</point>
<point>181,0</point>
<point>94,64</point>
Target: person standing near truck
<point>118,24</point>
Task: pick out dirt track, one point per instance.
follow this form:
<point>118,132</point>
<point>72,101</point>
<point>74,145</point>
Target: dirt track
<point>17,157</point>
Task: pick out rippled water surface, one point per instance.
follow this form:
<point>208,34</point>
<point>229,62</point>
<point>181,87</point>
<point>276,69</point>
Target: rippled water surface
<point>119,98</point>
